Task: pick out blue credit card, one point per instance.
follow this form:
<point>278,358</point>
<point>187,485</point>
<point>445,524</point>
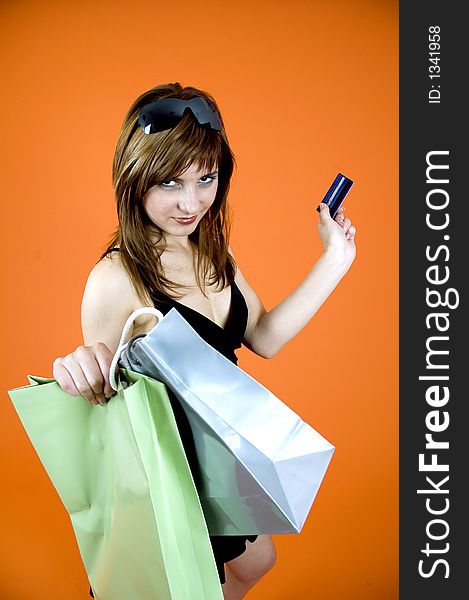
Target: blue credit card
<point>336,193</point>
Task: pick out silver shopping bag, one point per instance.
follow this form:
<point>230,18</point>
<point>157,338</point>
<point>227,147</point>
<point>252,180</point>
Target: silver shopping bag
<point>261,465</point>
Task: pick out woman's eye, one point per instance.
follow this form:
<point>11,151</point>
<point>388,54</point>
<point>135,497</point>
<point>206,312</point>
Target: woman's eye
<point>171,183</point>
<point>208,178</point>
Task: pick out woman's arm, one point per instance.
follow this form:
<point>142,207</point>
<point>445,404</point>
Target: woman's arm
<point>108,300</point>
<point>268,331</point>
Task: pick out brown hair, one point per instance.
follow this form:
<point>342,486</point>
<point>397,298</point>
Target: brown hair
<point>142,161</point>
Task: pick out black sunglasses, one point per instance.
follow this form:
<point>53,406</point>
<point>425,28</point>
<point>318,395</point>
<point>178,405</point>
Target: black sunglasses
<point>167,112</point>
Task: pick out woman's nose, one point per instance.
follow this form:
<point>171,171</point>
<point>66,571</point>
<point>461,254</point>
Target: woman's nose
<point>188,201</point>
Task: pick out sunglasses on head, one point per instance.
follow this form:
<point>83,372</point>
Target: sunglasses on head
<point>167,112</point>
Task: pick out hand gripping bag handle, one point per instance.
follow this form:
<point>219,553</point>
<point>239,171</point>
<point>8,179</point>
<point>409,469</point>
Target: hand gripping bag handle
<point>144,310</point>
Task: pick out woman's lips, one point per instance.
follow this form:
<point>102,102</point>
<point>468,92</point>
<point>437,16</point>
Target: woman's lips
<point>185,220</point>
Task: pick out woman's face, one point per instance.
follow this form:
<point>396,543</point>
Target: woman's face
<point>177,206</point>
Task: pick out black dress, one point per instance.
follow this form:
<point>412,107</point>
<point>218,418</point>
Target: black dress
<point>226,340</point>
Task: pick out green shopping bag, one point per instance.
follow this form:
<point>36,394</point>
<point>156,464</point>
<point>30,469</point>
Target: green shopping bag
<point>122,474</point>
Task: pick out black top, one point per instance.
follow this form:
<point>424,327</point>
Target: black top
<point>224,339</point>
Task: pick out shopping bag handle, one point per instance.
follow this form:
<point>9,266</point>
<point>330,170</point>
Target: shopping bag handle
<point>144,310</point>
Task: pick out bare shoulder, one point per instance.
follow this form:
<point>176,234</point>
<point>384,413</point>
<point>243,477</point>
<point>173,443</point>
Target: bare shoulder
<point>108,300</point>
<point>109,281</point>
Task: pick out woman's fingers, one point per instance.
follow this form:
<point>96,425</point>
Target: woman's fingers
<point>346,224</point>
<point>86,375</point>
<point>80,383</point>
<point>351,233</point>
<point>324,213</point>
<point>335,233</point>
<point>348,228</point>
<point>340,217</point>
<point>104,358</point>
<point>85,372</point>
<point>94,379</point>
<point>63,378</point>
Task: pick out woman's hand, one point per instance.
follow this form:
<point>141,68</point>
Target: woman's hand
<point>85,372</point>
<point>337,235</point>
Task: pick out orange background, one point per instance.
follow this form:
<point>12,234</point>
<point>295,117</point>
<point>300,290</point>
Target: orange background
<point>307,89</point>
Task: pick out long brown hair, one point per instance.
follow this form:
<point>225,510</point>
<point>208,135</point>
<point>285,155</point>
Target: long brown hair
<point>142,161</point>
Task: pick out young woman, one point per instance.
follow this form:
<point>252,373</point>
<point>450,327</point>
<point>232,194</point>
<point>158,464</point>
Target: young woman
<point>171,174</point>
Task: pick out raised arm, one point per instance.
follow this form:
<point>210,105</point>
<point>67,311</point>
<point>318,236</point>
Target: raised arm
<point>268,331</point>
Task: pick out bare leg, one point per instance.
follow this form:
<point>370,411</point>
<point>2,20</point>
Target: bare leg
<point>244,572</point>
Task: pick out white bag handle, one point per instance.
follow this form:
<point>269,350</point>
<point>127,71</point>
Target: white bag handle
<point>144,310</point>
